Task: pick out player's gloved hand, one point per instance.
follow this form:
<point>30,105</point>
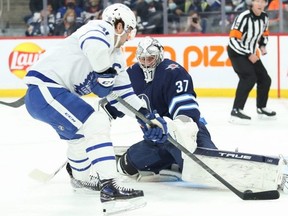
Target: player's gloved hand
<point>104,82</point>
<point>158,132</point>
<point>111,111</point>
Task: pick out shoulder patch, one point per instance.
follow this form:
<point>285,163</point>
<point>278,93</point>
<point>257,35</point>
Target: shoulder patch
<point>172,66</point>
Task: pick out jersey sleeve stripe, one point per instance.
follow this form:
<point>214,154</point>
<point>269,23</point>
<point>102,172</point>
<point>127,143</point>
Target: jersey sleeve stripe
<point>122,87</point>
<point>97,38</point>
<point>184,107</point>
<point>266,33</point>
<point>180,99</point>
<point>235,33</point>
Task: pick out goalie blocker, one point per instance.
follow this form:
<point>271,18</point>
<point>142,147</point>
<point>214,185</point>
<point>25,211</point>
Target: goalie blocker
<point>244,171</point>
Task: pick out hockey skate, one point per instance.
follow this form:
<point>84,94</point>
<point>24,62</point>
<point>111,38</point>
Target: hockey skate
<point>264,113</point>
<point>93,185</point>
<point>238,117</point>
<point>116,199</point>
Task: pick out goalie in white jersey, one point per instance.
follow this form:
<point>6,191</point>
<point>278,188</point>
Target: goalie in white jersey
<point>88,61</point>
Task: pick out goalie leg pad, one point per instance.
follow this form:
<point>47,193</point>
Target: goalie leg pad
<point>125,167</point>
<point>283,181</point>
<point>242,170</point>
<point>163,176</point>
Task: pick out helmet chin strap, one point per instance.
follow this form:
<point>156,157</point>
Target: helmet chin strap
<point>118,38</point>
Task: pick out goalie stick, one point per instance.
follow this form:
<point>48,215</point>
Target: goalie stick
<point>14,104</point>
<point>246,195</point>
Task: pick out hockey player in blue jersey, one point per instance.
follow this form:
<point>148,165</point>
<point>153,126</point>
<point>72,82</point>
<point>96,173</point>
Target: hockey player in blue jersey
<point>89,61</point>
<point>167,87</point>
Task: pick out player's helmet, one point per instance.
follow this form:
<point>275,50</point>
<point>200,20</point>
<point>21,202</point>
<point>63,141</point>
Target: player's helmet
<point>149,54</point>
<point>119,11</point>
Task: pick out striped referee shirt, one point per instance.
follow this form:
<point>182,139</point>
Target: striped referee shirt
<point>249,31</point>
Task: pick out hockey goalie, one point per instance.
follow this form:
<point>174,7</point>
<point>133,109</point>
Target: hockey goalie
<point>245,171</point>
<point>166,86</point>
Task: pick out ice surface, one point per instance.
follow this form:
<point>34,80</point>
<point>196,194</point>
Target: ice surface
<point>26,144</point>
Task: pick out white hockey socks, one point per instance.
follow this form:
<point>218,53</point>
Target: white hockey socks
<point>98,145</point>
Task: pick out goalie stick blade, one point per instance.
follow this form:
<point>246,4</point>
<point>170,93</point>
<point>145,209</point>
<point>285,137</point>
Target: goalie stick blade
<point>263,195</point>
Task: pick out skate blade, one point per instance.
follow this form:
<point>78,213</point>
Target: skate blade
<point>266,118</point>
<point>239,121</point>
<point>120,206</point>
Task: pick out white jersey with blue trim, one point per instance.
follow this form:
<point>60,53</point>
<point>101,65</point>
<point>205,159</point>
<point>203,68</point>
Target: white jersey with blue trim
<point>72,63</point>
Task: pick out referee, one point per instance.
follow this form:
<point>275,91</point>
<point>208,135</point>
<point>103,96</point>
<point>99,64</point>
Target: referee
<point>249,32</point>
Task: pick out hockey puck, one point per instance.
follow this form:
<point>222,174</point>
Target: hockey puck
<point>248,191</point>
<point>104,210</point>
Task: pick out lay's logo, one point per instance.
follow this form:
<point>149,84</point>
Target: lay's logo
<point>23,56</point>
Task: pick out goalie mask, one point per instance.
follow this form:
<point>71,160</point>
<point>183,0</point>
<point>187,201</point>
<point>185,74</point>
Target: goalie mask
<point>120,12</point>
<point>149,54</point>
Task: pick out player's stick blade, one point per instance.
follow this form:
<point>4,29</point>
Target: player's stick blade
<point>120,206</point>
<point>264,195</point>
<point>39,176</point>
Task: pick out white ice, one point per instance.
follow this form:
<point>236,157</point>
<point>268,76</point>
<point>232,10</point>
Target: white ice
<point>26,144</point>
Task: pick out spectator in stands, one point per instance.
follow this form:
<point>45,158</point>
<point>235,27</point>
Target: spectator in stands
<point>183,7</point>
<point>68,25</point>
<point>273,11</point>
<point>214,5</point>
<point>232,9</point>
<point>149,15</point>
<point>188,8</point>
<point>70,4</point>
<point>36,6</point>
<point>195,23</point>
<point>129,3</point>
<point>92,10</point>
<point>239,5</point>
<point>37,25</point>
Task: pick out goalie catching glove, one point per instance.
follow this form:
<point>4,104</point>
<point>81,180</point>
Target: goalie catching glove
<point>184,130</point>
<point>158,132</point>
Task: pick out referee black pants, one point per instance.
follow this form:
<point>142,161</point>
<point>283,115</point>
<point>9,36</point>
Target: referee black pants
<point>249,74</point>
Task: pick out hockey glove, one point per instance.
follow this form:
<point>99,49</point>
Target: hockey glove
<point>104,82</point>
<point>112,112</point>
<point>184,130</point>
<point>158,132</point>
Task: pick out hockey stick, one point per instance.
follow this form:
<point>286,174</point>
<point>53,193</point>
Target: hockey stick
<point>14,104</point>
<point>41,176</point>
<point>247,195</point>
<point>44,177</point>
